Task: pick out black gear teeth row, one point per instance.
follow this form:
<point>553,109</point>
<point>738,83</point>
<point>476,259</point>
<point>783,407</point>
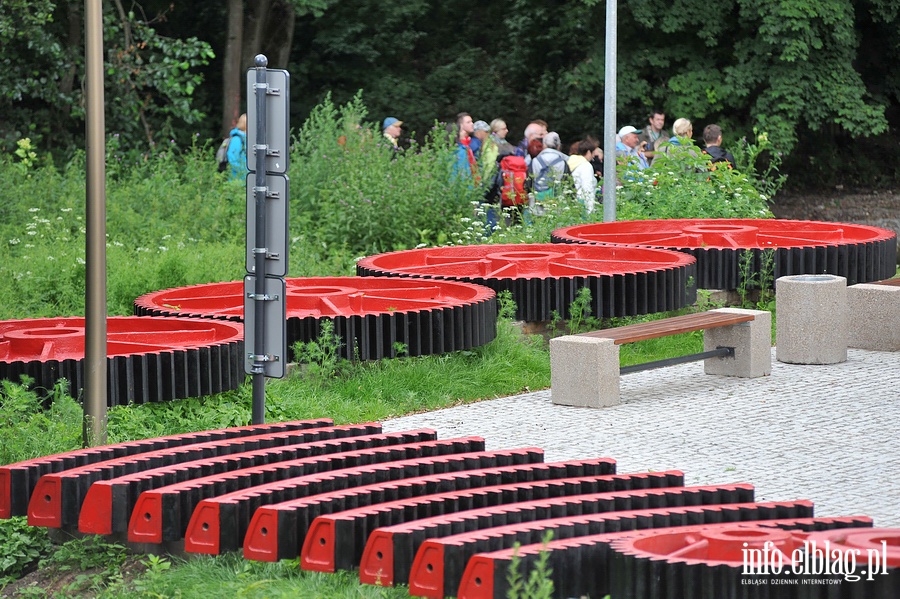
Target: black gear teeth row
<point>446,516</point>
<point>420,333</point>
<point>17,480</point>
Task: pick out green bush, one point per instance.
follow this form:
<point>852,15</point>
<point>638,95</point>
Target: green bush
<point>682,184</point>
<point>351,189</point>
<point>21,547</point>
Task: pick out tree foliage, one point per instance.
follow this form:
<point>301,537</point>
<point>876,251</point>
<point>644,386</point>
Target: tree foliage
<point>150,79</point>
<point>796,69</point>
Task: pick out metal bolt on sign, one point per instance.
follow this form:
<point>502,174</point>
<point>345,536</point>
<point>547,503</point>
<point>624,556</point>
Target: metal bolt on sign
<point>265,335</point>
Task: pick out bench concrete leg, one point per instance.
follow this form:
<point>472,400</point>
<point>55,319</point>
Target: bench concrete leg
<point>811,327</point>
<point>752,343</point>
<point>584,371</point>
<point>874,311</point>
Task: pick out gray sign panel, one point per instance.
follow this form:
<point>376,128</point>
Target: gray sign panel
<point>275,318</point>
<point>277,92</point>
<point>277,203</point>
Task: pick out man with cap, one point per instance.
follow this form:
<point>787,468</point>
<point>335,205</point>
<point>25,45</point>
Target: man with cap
<point>480,133</point>
<point>628,148</point>
<point>391,129</point>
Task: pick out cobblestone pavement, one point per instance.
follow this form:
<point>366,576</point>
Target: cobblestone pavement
<point>830,434</point>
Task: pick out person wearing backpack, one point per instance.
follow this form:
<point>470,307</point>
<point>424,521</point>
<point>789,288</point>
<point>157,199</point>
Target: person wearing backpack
<point>237,149</point>
<point>507,184</point>
<point>547,170</point>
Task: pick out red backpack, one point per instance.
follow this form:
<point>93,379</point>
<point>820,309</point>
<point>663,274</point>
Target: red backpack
<point>514,173</point>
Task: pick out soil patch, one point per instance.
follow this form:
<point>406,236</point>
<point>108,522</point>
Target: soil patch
<point>866,207</point>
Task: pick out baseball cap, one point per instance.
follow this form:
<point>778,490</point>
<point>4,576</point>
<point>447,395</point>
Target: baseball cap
<point>481,126</point>
<point>390,121</point>
<point>628,129</point>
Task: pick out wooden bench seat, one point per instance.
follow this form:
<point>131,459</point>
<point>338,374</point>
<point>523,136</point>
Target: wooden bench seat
<point>585,371</point>
<point>674,325</point>
<point>890,282</point>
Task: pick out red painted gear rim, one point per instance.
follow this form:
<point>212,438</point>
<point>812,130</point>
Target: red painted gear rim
<point>863,539</point>
<point>713,545</point>
<point>521,261</point>
<point>320,297</point>
<point>43,339</point>
<point>544,279</point>
<point>723,233</point>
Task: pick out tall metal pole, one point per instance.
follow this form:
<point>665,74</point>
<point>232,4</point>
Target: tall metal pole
<point>95,367</point>
<point>609,116</point>
<point>259,342</point>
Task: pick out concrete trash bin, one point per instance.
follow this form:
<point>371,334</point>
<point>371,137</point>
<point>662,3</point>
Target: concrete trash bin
<point>811,325</point>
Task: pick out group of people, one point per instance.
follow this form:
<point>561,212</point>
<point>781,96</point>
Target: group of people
<point>640,146</point>
<point>481,145</point>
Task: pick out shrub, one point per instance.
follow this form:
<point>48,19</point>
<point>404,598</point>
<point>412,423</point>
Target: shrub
<point>683,184</point>
<point>351,189</point>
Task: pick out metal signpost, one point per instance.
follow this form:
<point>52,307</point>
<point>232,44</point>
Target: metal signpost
<point>265,316</point>
<point>609,115</point>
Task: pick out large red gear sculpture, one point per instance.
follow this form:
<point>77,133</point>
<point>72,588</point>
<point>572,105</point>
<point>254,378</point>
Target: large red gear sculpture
<point>371,315</point>
<point>733,252</point>
<point>149,359</point>
<point>545,278</point>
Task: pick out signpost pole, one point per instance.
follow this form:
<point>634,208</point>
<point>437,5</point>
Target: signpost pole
<point>609,116</point>
<point>259,251</point>
<point>265,317</point>
<point>95,360</point>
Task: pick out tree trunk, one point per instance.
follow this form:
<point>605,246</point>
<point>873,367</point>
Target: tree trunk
<point>232,71</point>
<point>257,18</point>
<point>75,44</point>
<point>271,27</point>
<point>284,16</point>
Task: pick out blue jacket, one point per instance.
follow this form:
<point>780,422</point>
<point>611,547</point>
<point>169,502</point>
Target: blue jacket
<point>462,164</point>
<point>237,154</point>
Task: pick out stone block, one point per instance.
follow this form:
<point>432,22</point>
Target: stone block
<point>584,371</point>
<point>811,323</point>
<point>752,343</point>
<point>874,312</point>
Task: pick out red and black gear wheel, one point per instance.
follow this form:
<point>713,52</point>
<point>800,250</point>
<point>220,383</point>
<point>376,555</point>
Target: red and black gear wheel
<point>736,252</point>
<point>149,359</point>
<point>755,561</point>
<point>700,563</point>
<point>875,555</point>
<point>545,278</point>
<point>372,316</point>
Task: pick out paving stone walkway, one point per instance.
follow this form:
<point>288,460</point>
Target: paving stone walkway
<point>830,434</point>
